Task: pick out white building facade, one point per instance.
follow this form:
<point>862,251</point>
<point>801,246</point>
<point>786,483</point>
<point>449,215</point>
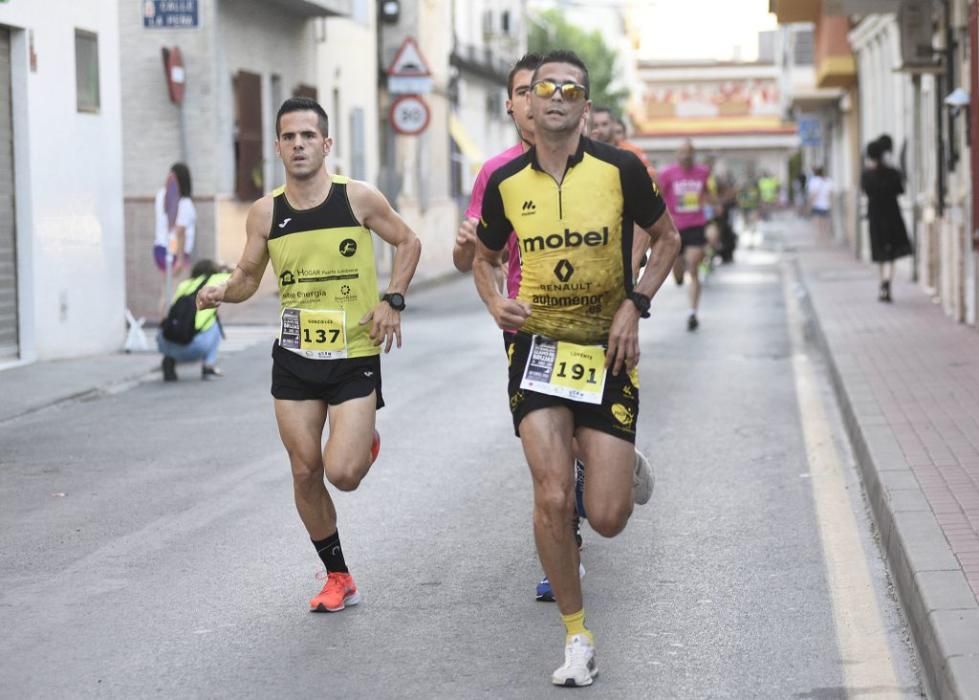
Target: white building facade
<point>61,214</point>
<point>241,61</point>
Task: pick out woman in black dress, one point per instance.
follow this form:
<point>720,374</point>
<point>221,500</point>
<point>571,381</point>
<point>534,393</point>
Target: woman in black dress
<point>888,236</point>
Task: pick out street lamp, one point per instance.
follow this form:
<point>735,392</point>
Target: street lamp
<point>956,101</point>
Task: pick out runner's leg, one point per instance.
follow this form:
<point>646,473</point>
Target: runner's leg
<point>546,437</point>
<point>301,430</point>
<point>608,488</point>
<point>347,457</point>
<point>693,256</point>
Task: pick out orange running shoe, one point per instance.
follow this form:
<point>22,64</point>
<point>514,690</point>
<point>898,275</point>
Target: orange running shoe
<point>375,446</point>
<point>338,592</point>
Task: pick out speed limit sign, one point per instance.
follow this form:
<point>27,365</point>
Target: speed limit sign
<point>409,115</point>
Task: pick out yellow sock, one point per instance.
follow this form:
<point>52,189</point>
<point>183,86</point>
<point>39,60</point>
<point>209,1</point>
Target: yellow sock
<point>575,624</point>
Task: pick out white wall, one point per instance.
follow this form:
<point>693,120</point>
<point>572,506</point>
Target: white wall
<point>347,61</point>
<point>68,183</point>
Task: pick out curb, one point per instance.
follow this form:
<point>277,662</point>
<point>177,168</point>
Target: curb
<point>939,605</point>
<point>106,389</point>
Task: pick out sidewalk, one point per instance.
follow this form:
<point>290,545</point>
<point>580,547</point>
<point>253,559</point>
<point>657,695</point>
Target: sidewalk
<point>907,379</point>
<point>28,388</point>
<point>31,387</point>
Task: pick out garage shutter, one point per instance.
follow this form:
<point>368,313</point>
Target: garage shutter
<point>8,247</point>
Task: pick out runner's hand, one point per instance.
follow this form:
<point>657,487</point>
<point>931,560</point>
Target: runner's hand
<point>623,339</point>
<point>467,233</point>
<point>510,314</point>
<point>210,297</point>
<point>385,325</point>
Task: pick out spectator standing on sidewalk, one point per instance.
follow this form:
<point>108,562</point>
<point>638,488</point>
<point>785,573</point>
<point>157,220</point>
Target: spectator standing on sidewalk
<point>204,345</point>
<point>176,226</point>
<point>888,235</point>
<point>819,193</point>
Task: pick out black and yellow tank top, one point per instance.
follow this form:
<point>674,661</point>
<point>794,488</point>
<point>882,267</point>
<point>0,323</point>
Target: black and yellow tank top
<point>324,260</point>
<point>575,238</point>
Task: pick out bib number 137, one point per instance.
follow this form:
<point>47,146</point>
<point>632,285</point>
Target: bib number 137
<point>319,334</point>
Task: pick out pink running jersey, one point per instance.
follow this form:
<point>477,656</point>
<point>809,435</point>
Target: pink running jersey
<point>475,208</point>
<point>684,192</point>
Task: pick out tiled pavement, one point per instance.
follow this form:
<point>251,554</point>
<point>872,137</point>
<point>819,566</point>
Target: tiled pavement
<point>907,378</point>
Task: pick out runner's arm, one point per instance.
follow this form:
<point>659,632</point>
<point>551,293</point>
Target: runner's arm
<point>640,245</point>
<point>492,235</point>
<point>375,212</point>
<point>247,275</point>
<point>509,314</point>
<point>464,249</point>
<point>646,207</point>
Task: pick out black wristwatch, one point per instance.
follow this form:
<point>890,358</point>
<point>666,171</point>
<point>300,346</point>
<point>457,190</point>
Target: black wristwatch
<point>397,301</point>
<point>642,303</point>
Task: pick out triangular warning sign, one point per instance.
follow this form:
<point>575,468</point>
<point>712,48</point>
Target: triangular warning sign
<point>408,61</point>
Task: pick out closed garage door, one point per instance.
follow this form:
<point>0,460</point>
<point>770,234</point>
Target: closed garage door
<point>8,247</point>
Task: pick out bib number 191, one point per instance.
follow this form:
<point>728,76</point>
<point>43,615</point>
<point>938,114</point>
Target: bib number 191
<point>572,371</point>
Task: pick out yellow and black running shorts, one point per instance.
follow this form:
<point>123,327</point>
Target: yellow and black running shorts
<point>616,415</point>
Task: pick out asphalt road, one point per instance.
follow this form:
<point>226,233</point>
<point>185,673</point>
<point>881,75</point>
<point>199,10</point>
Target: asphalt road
<point>149,545</point>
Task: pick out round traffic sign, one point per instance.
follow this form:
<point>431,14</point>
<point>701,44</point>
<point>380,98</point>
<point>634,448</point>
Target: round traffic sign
<point>409,115</point>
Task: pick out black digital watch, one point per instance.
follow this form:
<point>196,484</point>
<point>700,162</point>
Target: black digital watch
<point>396,300</point>
<point>642,303</point>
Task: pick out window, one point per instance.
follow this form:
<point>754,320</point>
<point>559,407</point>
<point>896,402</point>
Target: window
<point>802,52</point>
<point>358,157</point>
<point>87,71</point>
<point>249,178</point>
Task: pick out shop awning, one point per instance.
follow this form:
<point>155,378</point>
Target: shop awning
<point>465,143</point>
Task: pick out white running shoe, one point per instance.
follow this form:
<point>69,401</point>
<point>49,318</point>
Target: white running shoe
<point>642,479</point>
<point>580,667</point>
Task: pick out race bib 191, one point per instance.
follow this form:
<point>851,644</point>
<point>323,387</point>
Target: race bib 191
<point>571,371</point>
<point>318,334</point>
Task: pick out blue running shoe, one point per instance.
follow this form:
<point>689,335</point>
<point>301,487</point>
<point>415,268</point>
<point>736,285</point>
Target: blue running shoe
<point>579,488</point>
<point>544,592</point>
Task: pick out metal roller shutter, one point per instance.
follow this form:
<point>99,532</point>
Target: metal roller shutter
<point>8,240</point>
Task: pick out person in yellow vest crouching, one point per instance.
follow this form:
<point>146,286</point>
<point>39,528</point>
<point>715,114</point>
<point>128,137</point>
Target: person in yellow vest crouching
<point>188,334</point>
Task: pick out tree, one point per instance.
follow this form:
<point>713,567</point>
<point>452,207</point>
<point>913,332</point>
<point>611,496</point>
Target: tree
<point>549,30</point>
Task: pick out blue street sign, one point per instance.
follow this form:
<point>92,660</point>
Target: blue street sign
<point>170,14</point>
<point>810,131</point>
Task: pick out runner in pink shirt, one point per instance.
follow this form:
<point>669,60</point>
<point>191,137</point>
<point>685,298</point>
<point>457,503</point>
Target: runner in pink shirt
<point>684,187</point>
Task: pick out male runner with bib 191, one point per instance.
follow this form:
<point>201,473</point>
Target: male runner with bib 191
<point>573,360</point>
<point>326,360</point>
<point>517,107</point>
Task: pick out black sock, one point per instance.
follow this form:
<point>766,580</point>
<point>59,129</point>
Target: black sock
<point>331,553</point>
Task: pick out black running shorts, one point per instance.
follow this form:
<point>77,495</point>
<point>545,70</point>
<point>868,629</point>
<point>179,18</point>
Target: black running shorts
<point>297,378</point>
<point>616,415</point>
<point>693,237</point>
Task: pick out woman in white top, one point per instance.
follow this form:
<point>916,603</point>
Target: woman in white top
<point>176,220</point>
<point>819,191</point>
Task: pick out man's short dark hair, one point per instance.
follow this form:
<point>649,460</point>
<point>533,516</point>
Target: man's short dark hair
<point>601,109</point>
<point>565,56</point>
<point>529,61</point>
<point>303,104</point>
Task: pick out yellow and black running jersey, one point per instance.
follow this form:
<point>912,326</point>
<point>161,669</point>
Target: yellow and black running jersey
<point>324,259</point>
<point>575,237</point>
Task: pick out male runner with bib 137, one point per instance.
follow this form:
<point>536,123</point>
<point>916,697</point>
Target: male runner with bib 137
<point>326,360</point>
<point>571,202</point>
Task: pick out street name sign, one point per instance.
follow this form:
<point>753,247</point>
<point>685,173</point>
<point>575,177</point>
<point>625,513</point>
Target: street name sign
<point>171,14</point>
